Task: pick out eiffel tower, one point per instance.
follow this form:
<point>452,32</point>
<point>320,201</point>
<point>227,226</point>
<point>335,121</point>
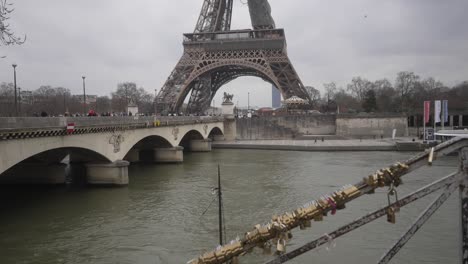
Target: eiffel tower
<point>215,55</point>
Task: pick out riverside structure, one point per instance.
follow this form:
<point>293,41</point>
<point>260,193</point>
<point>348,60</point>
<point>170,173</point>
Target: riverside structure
<point>32,149</point>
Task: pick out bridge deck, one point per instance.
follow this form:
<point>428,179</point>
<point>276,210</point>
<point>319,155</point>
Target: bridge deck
<point>29,127</point>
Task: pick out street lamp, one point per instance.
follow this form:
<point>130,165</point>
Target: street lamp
<point>19,100</point>
<point>155,102</point>
<point>16,95</point>
<point>84,95</point>
<point>126,98</point>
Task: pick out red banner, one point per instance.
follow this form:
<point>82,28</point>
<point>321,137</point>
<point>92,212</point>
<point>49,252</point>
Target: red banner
<point>427,111</point>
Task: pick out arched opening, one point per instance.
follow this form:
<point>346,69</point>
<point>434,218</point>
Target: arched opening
<point>216,134</point>
<point>51,166</point>
<point>191,135</point>
<point>203,89</point>
<point>143,150</point>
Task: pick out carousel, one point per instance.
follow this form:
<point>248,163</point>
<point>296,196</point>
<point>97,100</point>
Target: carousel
<point>295,104</point>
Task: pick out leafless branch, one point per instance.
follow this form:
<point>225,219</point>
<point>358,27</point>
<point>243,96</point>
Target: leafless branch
<point>7,36</point>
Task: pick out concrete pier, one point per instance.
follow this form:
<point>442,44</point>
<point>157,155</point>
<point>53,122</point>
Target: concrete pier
<point>201,145</point>
<point>169,155</point>
<point>230,128</point>
<point>115,173</point>
<point>219,138</point>
<point>35,173</point>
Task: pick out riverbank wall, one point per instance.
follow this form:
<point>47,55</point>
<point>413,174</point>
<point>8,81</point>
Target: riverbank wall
<point>340,126</point>
<point>324,146</point>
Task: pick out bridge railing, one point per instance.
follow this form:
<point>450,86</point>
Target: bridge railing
<point>44,123</point>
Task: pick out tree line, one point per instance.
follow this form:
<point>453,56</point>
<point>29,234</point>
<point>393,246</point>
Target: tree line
<point>405,95</point>
<point>56,101</point>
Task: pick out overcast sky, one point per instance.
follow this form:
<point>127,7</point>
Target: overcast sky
<point>112,41</point>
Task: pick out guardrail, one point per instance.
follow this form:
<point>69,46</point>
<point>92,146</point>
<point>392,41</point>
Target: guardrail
<point>40,123</point>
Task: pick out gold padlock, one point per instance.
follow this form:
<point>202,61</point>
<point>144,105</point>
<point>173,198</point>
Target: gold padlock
<point>391,218</point>
<point>318,217</point>
<point>281,246</point>
<point>267,249</point>
<point>302,226</point>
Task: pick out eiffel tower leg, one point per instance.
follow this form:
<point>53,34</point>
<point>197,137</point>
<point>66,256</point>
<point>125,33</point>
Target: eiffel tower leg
<point>200,98</point>
<point>166,101</point>
<point>287,78</point>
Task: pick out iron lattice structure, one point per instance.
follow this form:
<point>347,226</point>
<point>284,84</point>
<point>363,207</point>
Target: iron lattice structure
<point>215,55</point>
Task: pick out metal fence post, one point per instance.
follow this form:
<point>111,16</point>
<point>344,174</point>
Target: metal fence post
<point>464,205</point>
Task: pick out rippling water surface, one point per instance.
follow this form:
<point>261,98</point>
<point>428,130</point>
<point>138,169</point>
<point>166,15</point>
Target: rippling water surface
<point>158,217</point>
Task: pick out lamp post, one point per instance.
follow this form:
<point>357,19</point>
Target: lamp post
<point>126,99</point>
<point>16,95</point>
<point>64,103</point>
<point>248,101</point>
<point>155,102</point>
<point>84,95</point>
<point>19,100</point>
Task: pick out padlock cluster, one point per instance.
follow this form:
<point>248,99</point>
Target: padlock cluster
<point>278,231</point>
<point>387,176</point>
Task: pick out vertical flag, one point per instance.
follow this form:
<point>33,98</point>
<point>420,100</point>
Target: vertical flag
<point>445,111</point>
<point>427,111</point>
<point>437,109</point>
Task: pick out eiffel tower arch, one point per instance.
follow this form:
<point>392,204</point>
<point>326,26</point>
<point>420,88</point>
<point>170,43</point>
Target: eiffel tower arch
<point>215,55</point>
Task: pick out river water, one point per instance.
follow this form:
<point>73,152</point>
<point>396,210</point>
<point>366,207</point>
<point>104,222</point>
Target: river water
<point>158,217</point>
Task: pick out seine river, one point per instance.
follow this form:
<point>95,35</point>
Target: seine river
<point>158,217</point>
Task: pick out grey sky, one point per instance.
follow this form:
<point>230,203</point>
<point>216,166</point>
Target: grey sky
<point>112,41</point>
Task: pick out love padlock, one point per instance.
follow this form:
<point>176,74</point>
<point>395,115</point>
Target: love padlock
<point>391,218</point>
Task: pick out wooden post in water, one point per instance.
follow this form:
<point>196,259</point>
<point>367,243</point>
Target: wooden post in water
<point>220,204</point>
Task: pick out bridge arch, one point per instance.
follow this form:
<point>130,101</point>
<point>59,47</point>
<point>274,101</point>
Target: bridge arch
<point>144,148</point>
<point>57,155</point>
<point>215,132</point>
<point>189,136</point>
<point>49,148</point>
<point>48,166</point>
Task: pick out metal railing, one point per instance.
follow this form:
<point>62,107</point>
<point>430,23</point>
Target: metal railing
<point>28,124</point>
<point>235,35</point>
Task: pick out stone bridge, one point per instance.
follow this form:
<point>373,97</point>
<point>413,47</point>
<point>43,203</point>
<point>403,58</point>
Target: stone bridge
<point>33,150</point>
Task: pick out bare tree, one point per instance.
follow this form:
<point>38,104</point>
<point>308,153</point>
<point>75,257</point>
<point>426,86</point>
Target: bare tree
<point>330,91</point>
<point>430,84</point>
<point>103,104</point>
<point>128,92</point>
<point>7,36</point>
<point>346,103</point>
<point>314,94</point>
<point>434,89</point>
<point>6,99</point>
<point>382,84</point>
<point>385,96</point>
<point>359,87</point>
<point>406,84</point>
